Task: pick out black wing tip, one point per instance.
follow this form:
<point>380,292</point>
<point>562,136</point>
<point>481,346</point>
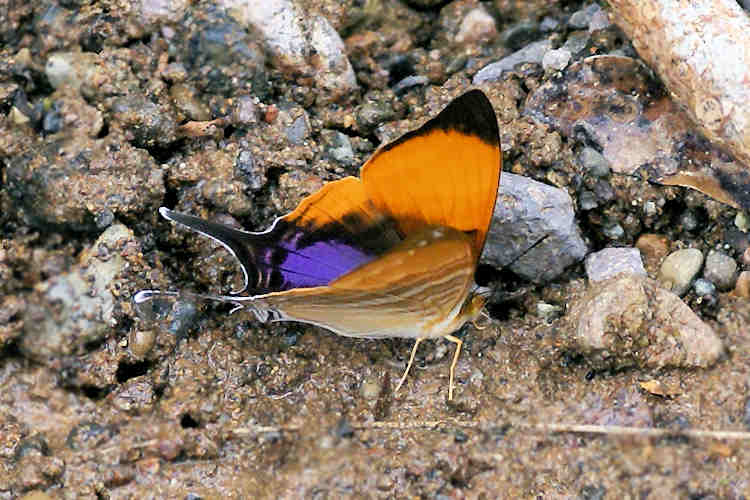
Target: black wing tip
<point>471,113</point>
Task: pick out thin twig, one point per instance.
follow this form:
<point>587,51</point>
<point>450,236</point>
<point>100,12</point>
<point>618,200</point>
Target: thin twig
<point>610,430</point>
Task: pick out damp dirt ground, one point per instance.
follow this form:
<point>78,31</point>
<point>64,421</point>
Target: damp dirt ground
<point>197,403</point>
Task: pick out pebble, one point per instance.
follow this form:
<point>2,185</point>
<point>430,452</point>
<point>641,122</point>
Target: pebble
<point>587,200</point>
<point>298,130</point>
<point>556,60</point>
<point>742,222</point>
<point>742,288</point>
<point>477,25</point>
<point>594,162</point>
<point>630,320</point>
<point>653,247</point>
<point>613,231</point>
<point>253,173</point>
<point>141,342</point>
<point>679,269</point>
<point>529,213</point>
<point>520,34</point>
<point>370,388</point>
<point>703,287</point>
<point>721,269</point>
<point>548,24</point>
<point>576,42</point>
<point>333,73</point>
<point>610,262</point>
<point>73,309</point>
<point>299,43</point>
<point>338,147</point>
<point>532,53</point>
<point>688,220</point>
<point>581,18</point>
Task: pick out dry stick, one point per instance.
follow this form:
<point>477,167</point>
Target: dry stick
<point>701,50</point>
<point>610,430</point>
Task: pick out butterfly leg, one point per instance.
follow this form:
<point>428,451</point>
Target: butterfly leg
<point>458,343</point>
<point>408,366</point>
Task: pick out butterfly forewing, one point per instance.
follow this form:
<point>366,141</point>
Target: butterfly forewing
<point>445,173</point>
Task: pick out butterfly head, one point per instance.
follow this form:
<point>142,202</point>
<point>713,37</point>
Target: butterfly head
<point>473,308</point>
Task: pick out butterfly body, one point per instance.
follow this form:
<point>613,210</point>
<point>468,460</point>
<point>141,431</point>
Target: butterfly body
<point>390,254</point>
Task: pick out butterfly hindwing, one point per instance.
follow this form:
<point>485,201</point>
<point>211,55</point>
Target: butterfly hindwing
<point>331,232</point>
<point>400,294</point>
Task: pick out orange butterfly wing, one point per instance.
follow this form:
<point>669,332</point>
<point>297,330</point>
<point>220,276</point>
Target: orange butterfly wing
<point>445,173</point>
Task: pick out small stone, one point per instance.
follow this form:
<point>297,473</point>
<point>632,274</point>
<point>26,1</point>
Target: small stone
<point>703,287</point>
<point>742,288</point>
<point>532,53</point>
<point>141,342</point>
<point>688,220</point>
<point>76,308</point>
<point>370,388</point>
<point>299,130</point>
<point>478,25</point>
<point>338,147</point>
<point>721,269</point>
<point>577,42</point>
<point>613,231</point>
<point>587,200</point>
<point>653,247</point>
<point>649,208</point>
<point>599,21</point>
<point>548,312</point>
<point>742,222</point>
<point>245,111</point>
<point>253,173</point>
<point>603,191</point>
<point>533,230</point>
<point>594,162</point>
<point>679,269</point>
<point>556,60</point>
<point>581,18</point>
<point>548,24</point>
<point>610,262</point>
<point>630,320</point>
<point>520,34</point>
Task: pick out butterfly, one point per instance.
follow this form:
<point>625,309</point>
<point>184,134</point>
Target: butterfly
<point>392,253</point>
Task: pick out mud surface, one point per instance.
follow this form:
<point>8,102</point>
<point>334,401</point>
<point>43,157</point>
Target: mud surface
<point>110,110</point>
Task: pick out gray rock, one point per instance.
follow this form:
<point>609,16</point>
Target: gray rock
<point>610,262</point>
<point>529,213</point>
<point>333,74</point>
<point>299,43</point>
<point>594,162</point>
<point>581,19</point>
<point>338,147</point>
<point>532,53</point>
<point>298,130</point>
<point>76,308</point>
<point>587,200</point>
<point>704,287</point>
<point>630,320</point>
<point>251,170</point>
<point>576,42</point>
<point>519,34</point>
<point>613,231</point>
<point>721,269</point>
<point>679,269</point>
<point>556,60</point>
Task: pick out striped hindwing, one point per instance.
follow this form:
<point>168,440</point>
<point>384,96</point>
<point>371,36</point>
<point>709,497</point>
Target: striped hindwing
<point>415,290</point>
